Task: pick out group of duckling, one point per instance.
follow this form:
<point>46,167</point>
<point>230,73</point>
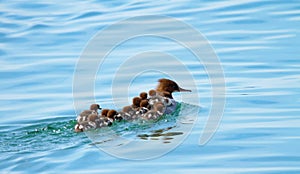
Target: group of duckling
<point>142,107</point>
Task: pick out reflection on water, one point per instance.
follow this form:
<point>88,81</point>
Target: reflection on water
<point>148,139</point>
<point>161,134</point>
<point>141,140</point>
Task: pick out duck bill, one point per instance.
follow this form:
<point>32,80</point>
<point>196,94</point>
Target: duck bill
<point>184,90</point>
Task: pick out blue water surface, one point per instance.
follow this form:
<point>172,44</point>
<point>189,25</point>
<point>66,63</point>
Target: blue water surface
<point>257,43</point>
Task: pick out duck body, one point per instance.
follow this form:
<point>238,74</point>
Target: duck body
<point>171,106</point>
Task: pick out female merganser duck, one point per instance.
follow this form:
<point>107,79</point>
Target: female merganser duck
<point>165,89</point>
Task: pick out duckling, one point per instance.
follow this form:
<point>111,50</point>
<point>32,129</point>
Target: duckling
<point>154,97</point>
<point>95,107</point>
<point>156,112</point>
<point>128,113</point>
<point>111,114</point>
<point>114,115</point>
<point>84,114</point>
<point>136,102</point>
<point>143,95</point>
<point>92,120</point>
<point>152,93</point>
<point>92,117</point>
<point>144,106</point>
<point>128,109</point>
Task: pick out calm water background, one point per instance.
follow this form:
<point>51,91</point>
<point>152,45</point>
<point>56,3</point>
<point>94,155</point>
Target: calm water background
<point>257,43</point>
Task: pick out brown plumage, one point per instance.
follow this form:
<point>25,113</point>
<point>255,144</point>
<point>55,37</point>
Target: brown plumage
<point>166,87</point>
<point>128,113</point>
<point>95,107</point>
<point>152,92</point>
<point>104,112</point>
<point>160,107</point>
<point>136,102</point>
<point>144,106</point>
<point>127,109</point>
<point>144,103</point>
<point>84,114</point>
<point>92,117</point>
<point>143,95</point>
<point>111,114</point>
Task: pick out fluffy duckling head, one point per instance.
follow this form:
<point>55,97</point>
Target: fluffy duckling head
<point>152,93</point>
<point>136,102</point>
<point>143,95</point>
<point>111,114</point>
<point>144,103</point>
<point>95,107</point>
<point>104,112</point>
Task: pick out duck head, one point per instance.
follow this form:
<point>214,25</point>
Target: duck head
<point>95,107</point>
<point>166,87</point>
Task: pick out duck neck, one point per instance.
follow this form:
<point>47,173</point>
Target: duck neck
<point>165,94</point>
